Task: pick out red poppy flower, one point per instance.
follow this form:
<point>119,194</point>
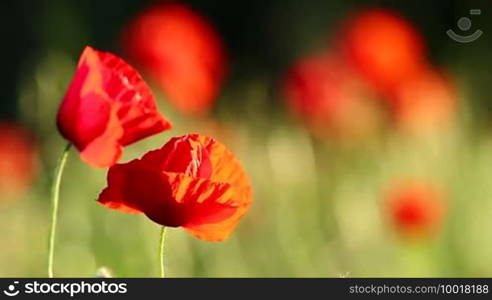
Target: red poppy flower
<point>383,46</point>
<point>424,102</point>
<point>416,209</point>
<point>329,98</point>
<point>181,51</point>
<point>17,160</point>
<point>193,182</point>
<point>107,106</point>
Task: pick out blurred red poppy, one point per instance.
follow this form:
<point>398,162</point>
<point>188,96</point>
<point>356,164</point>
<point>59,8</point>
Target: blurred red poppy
<point>416,209</point>
<point>424,102</point>
<point>107,106</point>
<point>193,182</point>
<point>181,51</point>
<point>383,46</point>
<point>17,160</point>
<point>329,98</point>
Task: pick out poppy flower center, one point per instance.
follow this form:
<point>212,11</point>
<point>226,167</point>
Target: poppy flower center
<point>188,157</point>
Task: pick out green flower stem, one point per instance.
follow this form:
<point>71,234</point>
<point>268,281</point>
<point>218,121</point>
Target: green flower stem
<point>161,251</point>
<point>55,195</point>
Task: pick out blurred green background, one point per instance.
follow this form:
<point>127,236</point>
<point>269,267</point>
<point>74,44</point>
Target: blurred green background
<point>318,207</point>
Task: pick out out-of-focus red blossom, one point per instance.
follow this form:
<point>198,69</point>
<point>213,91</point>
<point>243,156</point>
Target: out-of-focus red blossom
<point>193,182</point>
<point>330,99</point>
<point>17,160</point>
<point>424,102</point>
<point>181,51</point>
<point>107,106</point>
<point>416,209</point>
<point>383,46</point>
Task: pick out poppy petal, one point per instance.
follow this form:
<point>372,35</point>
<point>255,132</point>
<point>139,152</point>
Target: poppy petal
<point>84,95</point>
<point>107,106</point>
<point>113,196</point>
<point>216,232</point>
<point>170,199</point>
<point>181,155</point>
<point>189,201</point>
<point>105,150</point>
<point>137,108</point>
<point>178,185</point>
<point>226,167</point>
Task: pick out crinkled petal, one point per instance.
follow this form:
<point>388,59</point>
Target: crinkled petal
<point>181,155</point>
<point>170,199</point>
<point>107,106</point>
<point>216,232</point>
<point>190,201</point>
<point>193,181</point>
<point>226,168</point>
